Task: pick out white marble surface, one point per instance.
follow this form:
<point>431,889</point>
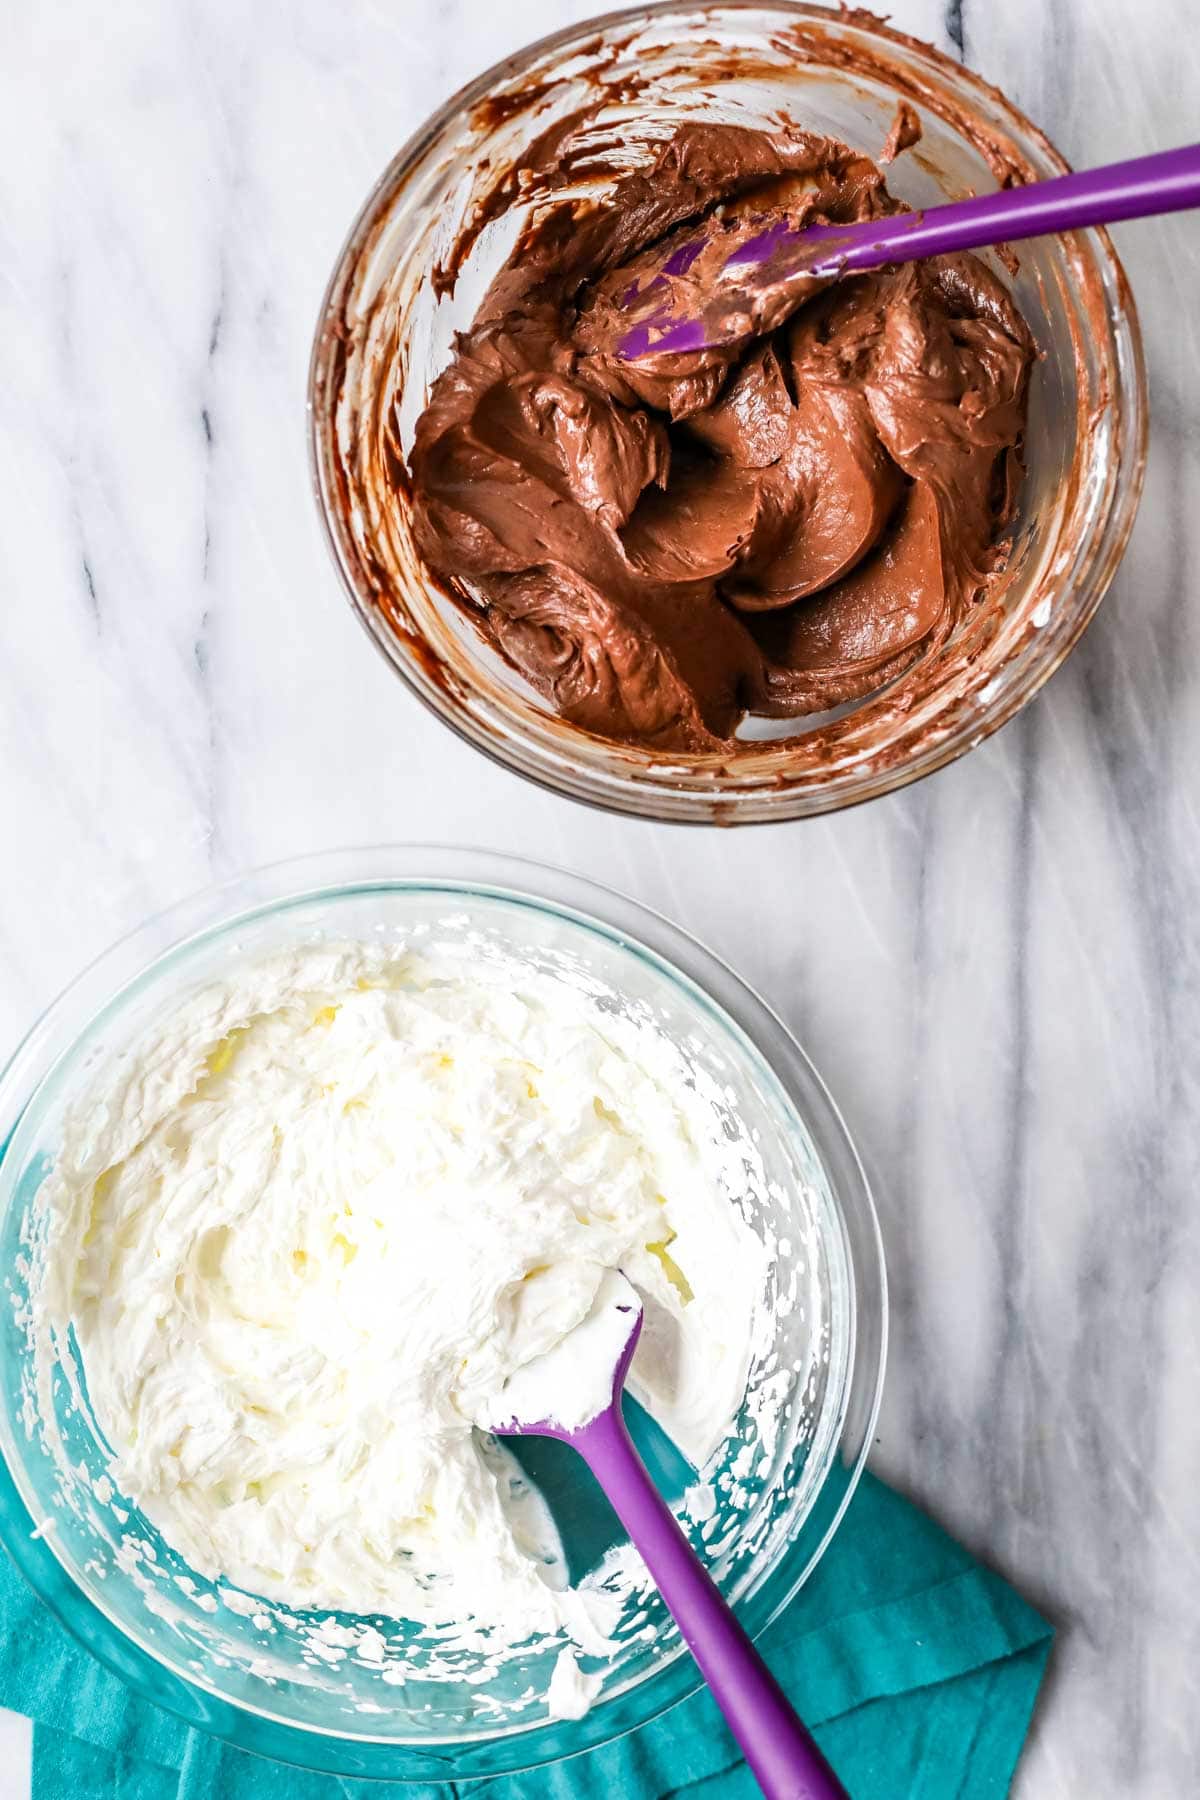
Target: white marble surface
<point>997,971</point>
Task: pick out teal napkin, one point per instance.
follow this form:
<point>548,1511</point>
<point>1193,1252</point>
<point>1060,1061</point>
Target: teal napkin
<point>917,1667</point>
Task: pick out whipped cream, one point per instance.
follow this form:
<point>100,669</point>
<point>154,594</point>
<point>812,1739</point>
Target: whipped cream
<point>569,1384</point>
<point>306,1233</point>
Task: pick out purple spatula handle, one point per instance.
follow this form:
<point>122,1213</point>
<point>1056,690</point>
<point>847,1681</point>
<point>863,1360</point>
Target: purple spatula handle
<point>782,1755</point>
<point>1168,181</point>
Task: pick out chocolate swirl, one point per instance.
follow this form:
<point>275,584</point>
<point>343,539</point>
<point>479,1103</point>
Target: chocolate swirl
<point>776,527</point>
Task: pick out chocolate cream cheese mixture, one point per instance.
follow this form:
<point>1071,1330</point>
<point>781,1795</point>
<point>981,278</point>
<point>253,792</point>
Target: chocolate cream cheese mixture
<point>776,527</point>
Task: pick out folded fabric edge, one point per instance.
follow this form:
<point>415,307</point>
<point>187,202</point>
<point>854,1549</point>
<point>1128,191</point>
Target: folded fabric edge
<point>967,1621</point>
<point>70,1768</point>
<point>965,1743</point>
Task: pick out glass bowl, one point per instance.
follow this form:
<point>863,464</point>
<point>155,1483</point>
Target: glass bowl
<point>387,326</point>
<point>247,1671</point>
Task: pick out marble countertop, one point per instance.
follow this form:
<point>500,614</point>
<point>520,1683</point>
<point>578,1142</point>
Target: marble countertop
<point>997,971</point>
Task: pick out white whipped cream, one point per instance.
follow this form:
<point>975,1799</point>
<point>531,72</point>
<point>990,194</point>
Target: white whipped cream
<point>306,1234</point>
<point>569,1384</point>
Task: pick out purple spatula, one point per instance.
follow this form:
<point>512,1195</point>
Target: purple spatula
<point>574,1393</point>
<point>692,304</point>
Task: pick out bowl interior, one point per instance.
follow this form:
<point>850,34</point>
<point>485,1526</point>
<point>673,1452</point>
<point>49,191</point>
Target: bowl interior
<point>389,327</point>
<point>302,1670</point>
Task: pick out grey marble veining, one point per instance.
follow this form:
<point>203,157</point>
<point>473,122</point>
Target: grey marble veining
<point>997,971</point>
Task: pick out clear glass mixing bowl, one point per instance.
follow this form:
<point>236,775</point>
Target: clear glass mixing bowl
<point>254,1681</point>
<point>387,327</point>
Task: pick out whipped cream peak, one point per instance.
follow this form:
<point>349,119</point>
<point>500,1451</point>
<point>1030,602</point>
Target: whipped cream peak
<point>567,1386</point>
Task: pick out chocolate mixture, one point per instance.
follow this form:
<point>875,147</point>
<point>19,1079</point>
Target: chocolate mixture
<point>776,527</point>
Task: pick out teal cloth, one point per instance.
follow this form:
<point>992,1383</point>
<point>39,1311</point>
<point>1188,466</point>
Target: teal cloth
<point>917,1667</point>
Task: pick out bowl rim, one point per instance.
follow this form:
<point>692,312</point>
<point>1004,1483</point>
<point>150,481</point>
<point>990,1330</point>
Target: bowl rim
<point>643,794</point>
<point>550,889</point>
